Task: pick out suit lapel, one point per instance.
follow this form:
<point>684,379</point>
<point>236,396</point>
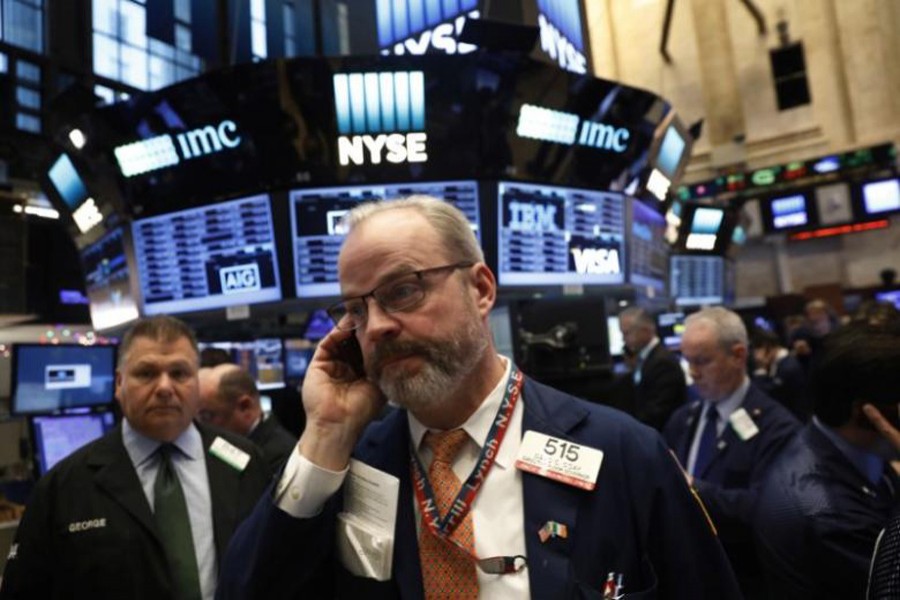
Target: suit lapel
<point>546,500</point>
<point>115,475</point>
<point>224,482</point>
<point>683,447</point>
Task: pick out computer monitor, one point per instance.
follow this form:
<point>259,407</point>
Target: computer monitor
<point>298,353</point>
<point>262,358</point>
<point>616,339</point>
<point>108,281</point>
<point>648,252</point>
<point>670,328</point>
<point>51,377</point>
<point>55,437</point>
<point>704,231</point>
<point>318,325</point>
<point>881,197</point>
<point>892,296</point>
<point>697,280</point>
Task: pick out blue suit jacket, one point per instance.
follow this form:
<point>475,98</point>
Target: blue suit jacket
<point>729,484</point>
<point>817,520</point>
<point>641,520</point>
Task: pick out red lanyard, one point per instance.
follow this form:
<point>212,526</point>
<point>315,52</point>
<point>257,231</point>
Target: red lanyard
<point>443,527</point>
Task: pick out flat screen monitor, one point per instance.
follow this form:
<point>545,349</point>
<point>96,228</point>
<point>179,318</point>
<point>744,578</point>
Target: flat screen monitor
<point>298,353</point>
<point>833,204</point>
<point>208,257</point>
<point>67,183</point>
<point>671,151</point>
<point>892,296</point>
<point>704,231</point>
<point>697,280</point>
<point>559,236</point>
<point>57,436</point>
<point>789,212</point>
<point>108,281</point>
<point>261,358</point>
<point>616,339</point>
<point>317,230</point>
<point>51,377</point>
<point>880,197</point>
<point>318,325</point>
<point>670,328</point>
<point>648,252</point>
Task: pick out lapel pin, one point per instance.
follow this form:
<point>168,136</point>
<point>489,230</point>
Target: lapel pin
<point>756,412</point>
<point>552,529</point>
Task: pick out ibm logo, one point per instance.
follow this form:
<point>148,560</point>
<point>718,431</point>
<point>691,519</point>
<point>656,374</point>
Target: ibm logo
<point>415,26</point>
<point>561,35</point>
<point>547,125</point>
<point>382,104</point>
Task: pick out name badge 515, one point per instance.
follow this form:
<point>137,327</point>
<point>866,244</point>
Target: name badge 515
<point>558,459</point>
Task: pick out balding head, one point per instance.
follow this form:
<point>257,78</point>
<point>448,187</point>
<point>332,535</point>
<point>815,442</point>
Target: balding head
<point>229,398</point>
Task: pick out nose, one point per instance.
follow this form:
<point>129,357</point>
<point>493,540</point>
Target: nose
<point>379,324</point>
<point>164,384</point>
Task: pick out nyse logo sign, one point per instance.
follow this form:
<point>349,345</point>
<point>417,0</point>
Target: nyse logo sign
<point>549,125</point>
<point>160,151</point>
<point>380,116</point>
<point>561,34</point>
<point>420,26</point>
<point>240,278</point>
<point>596,261</point>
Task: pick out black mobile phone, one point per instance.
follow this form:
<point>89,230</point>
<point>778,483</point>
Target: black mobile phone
<point>350,353</point>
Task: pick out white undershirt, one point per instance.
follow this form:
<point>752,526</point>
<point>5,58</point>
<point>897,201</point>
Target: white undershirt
<point>498,512</point>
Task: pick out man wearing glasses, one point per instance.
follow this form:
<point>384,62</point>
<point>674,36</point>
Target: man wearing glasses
<point>484,484</point>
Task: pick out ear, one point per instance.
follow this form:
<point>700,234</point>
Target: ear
<point>244,403</point>
<point>119,386</point>
<point>739,351</point>
<point>485,288</point>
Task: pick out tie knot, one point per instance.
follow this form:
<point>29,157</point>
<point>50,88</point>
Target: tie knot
<point>446,444</point>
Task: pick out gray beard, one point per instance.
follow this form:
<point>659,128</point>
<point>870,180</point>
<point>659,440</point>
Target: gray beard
<point>446,364</point>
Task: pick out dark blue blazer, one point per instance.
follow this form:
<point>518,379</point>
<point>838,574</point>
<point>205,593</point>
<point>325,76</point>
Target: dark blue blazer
<point>641,520</point>
<point>817,520</point>
<point>729,485</point>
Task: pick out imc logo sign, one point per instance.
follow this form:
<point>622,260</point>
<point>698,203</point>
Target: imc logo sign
<point>421,26</point>
<point>380,116</point>
<point>561,34</point>
<point>539,123</point>
<point>240,278</point>
<point>161,151</point>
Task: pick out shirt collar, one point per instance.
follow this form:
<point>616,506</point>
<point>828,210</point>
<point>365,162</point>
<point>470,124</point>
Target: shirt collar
<point>646,350</point>
<point>870,465</point>
<point>479,423</point>
<point>140,447</point>
<point>728,405</point>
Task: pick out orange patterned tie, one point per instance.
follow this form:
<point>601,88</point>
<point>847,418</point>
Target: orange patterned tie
<point>446,570</point>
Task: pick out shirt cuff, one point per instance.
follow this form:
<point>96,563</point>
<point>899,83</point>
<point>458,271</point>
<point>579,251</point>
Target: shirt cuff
<point>305,487</point>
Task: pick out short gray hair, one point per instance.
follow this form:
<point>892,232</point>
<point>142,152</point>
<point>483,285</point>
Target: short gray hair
<point>727,324</point>
<point>453,227</point>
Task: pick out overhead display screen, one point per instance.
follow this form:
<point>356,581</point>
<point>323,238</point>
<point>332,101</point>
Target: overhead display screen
<point>317,232</point>
<point>697,280</point>
<point>647,251</point>
<point>50,377</point>
<point>559,236</point>
<point>261,358</point>
<point>209,257</point>
<point>108,283</point>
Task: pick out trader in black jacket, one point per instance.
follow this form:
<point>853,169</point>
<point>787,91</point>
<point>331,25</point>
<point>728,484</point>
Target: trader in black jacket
<point>659,382</point>
<point>229,399</point>
<point>147,510</point>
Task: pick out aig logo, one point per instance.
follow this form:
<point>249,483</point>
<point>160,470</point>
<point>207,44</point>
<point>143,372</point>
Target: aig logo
<point>240,278</point>
<point>380,116</point>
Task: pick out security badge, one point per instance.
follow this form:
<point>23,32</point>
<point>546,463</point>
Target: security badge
<point>229,454</point>
<point>743,424</point>
<point>559,459</point>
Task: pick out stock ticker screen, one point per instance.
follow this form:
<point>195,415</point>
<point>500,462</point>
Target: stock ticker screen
<point>209,257</point>
<point>107,281</point>
<point>559,236</point>
<point>317,230</point>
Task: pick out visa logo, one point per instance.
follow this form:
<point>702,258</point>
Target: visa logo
<point>240,278</point>
<point>417,26</point>
<point>380,116</point>
<point>561,33</point>
<point>532,217</point>
<point>596,261</point>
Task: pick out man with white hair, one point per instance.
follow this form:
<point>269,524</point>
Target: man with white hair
<point>727,440</point>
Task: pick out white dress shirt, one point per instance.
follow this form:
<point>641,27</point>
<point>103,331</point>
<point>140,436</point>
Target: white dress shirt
<point>190,465</point>
<point>498,512</point>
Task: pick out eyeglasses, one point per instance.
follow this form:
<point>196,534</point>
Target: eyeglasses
<point>402,293</point>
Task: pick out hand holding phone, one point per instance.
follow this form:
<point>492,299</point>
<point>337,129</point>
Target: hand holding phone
<point>338,399</point>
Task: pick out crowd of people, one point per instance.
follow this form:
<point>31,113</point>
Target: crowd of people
<point>430,466</point>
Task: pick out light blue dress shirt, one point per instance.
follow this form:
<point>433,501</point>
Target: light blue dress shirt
<point>190,465</point>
